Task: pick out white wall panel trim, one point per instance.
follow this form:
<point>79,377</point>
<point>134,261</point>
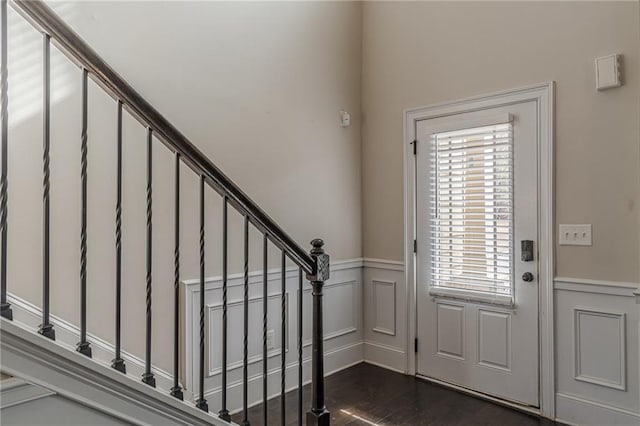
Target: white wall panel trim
<point>386,356</point>
<point>612,288</point>
<point>595,377</point>
<point>335,360</point>
<point>15,391</point>
<point>272,274</point>
<point>574,410</point>
<point>351,328</point>
<point>391,265</point>
<point>234,365</point>
<point>389,329</point>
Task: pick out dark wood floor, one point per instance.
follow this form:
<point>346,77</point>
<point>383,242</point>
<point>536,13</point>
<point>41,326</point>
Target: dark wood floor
<point>368,395</point>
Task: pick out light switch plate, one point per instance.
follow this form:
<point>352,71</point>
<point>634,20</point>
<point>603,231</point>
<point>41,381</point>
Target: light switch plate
<point>575,235</point>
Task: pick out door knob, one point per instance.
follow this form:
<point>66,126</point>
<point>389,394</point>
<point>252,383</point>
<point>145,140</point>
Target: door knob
<point>527,277</point>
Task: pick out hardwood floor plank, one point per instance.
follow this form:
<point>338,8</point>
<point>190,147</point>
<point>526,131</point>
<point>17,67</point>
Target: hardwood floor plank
<point>367,395</point>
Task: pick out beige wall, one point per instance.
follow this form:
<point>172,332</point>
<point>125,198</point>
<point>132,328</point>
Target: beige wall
<point>417,54</point>
<point>257,87</point>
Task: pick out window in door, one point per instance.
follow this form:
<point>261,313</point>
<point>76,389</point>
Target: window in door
<point>471,218</point>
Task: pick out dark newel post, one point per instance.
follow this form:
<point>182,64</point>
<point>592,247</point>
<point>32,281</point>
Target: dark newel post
<point>319,415</point>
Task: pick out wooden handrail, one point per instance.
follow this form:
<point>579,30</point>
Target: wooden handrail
<point>47,21</point>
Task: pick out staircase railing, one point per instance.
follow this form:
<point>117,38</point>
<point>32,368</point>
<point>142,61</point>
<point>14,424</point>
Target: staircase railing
<point>314,264</point>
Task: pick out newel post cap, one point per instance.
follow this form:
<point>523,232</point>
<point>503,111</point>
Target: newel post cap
<point>317,244</point>
<point>322,262</point>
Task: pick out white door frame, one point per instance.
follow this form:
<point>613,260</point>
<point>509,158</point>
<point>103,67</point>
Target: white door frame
<point>543,95</point>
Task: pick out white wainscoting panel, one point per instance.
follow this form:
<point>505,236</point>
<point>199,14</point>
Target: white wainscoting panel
<point>343,345</point>
<point>385,314</point>
<point>597,352</point>
<point>235,316</point>
<point>384,306</point>
<point>599,348</point>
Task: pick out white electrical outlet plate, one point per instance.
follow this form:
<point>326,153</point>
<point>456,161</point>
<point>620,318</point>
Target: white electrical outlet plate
<point>575,235</point>
<point>271,337</point>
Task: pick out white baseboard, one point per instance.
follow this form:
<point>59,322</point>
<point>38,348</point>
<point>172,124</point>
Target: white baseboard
<point>574,410</point>
<point>334,361</point>
<point>388,357</point>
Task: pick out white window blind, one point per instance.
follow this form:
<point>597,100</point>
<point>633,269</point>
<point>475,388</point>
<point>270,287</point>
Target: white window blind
<point>472,210</point>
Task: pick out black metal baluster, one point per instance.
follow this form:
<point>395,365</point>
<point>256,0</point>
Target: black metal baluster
<point>283,352</point>
<point>176,390</point>
<point>318,415</point>
<point>46,328</point>
<point>201,403</point>
<point>300,299</point>
<point>5,306</point>
<point>224,413</point>
<point>245,357</point>
<point>148,377</point>
<point>265,302</point>
<point>118,362</point>
<point>83,346</point>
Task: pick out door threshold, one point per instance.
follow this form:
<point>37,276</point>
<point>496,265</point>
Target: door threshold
<point>525,408</point>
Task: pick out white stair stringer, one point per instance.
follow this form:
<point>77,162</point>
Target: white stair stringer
<point>38,360</point>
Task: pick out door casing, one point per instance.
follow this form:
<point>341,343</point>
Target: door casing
<point>543,95</point>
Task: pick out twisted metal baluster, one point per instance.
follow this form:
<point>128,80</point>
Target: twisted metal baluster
<point>83,346</point>
<point>148,377</point>
<point>300,300</point>
<point>176,390</point>
<point>245,357</point>
<point>224,413</point>
<point>265,302</point>
<point>46,328</point>
<point>283,353</point>
<point>5,307</point>
<point>118,362</point>
<point>201,403</point>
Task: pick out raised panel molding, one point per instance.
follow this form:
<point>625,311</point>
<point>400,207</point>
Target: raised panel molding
<point>329,334</point>
<point>450,342</point>
<point>16,391</point>
<point>494,350</point>
<point>600,348</point>
<point>214,363</point>
<point>342,329</point>
<point>384,316</point>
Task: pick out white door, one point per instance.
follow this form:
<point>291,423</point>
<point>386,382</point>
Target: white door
<point>477,263</point>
